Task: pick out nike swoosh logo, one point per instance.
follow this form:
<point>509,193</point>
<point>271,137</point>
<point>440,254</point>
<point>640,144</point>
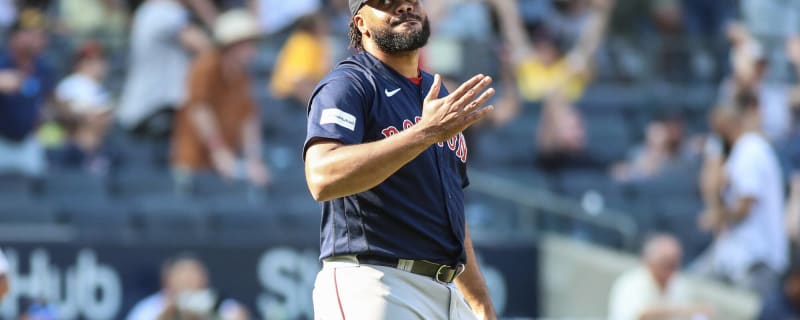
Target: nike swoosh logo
<point>391,93</point>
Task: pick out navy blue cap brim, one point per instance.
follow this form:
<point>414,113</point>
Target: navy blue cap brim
<point>355,5</point>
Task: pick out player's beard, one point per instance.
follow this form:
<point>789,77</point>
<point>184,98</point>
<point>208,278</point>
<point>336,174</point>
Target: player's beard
<point>391,42</point>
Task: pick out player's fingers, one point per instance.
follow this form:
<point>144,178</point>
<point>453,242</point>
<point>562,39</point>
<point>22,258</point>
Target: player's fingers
<point>477,103</point>
<point>436,87</point>
<point>466,86</point>
<point>478,115</point>
<point>473,92</point>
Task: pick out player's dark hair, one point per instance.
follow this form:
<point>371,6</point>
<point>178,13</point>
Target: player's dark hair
<point>355,37</point>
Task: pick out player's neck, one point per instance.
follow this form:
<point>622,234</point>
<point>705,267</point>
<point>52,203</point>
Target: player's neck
<point>405,63</point>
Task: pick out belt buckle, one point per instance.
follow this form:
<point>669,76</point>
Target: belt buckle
<point>459,269</point>
<point>439,272</point>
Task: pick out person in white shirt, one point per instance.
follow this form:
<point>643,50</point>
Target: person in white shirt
<point>162,41</point>
<point>653,290</point>
<point>4,286</point>
<point>750,248</point>
<point>85,106</point>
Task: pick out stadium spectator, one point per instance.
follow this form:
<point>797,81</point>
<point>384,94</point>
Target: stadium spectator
<point>793,210</point>
<point>561,136</point>
<point>541,68</point>
<point>276,15</point>
<point>707,18</point>
<point>448,16</point>
<point>303,61</point>
<point>791,149</point>
<point>186,294</point>
<point>8,14</point>
<point>86,19</point>
<point>86,108</point>
<point>749,61</point>
<point>26,82</point>
<point>338,14</point>
<point>653,290</point>
<point>161,43</point>
<point>662,149</point>
<point>793,52</point>
<point>219,124</point>
<point>4,285</point>
<point>746,218</point>
<point>771,23</point>
<point>716,150</point>
<point>670,45</point>
<point>38,309</point>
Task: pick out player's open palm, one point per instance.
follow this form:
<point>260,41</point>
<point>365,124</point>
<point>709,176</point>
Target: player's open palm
<point>448,116</point>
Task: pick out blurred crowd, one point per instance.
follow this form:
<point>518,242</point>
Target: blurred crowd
<point>199,77</point>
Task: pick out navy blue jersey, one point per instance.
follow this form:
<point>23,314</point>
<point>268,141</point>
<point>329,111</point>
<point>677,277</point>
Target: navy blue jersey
<point>418,212</point>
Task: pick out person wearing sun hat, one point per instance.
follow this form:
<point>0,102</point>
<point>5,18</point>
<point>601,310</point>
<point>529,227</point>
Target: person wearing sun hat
<point>218,126</point>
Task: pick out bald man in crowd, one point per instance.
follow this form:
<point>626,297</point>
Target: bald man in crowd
<point>652,291</point>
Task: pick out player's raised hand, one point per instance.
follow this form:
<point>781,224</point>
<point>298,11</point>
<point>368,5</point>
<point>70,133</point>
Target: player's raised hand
<point>448,116</point>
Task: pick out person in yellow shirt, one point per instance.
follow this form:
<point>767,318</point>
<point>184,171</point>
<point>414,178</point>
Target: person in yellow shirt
<point>541,69</point>
<point>303,61</point>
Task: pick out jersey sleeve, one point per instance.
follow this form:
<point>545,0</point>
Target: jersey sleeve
<point>337,110</point>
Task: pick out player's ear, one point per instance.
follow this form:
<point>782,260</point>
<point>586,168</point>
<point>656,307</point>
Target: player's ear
<point>361,24</point>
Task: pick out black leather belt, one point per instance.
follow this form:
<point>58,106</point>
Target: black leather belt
<point>440,272</point>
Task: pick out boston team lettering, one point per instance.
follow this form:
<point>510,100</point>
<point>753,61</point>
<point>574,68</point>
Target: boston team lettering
<point>457,143</point>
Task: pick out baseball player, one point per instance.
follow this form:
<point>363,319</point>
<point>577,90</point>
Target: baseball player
<point>385,156</point>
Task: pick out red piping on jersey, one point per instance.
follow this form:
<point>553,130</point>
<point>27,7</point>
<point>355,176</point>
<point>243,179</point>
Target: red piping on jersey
<point>418,79</point>
<point>338,299</point>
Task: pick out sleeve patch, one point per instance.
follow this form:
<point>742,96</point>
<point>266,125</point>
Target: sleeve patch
<point>338,117</point>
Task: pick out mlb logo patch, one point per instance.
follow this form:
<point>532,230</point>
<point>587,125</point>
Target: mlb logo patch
<point>338,117</point>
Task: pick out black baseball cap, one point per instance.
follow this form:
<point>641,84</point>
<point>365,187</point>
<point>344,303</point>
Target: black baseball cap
<point>355,5</point>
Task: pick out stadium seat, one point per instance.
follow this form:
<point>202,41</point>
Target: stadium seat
<point>167,218</point>
<point>526,175</point>
<point>100,220</point>
<point>679,216</point>
<point>512,144</point>
<point>13,184</point>
<point>607,137</point>
<point>67,183</point>
<point>234,221</point>
<point>487,213</point>
<point>611,98</point>
<point>134,182</point>
<point>25,210</point>
<point>66,188</point>
<point>576,184</point>
<point>679,181</point>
